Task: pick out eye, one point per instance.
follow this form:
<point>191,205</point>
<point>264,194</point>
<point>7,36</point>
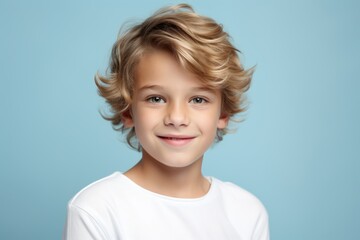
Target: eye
<point>155,99</point>
<point>198,100</point>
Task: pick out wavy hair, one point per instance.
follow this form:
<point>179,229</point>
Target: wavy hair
<point>197,42</point>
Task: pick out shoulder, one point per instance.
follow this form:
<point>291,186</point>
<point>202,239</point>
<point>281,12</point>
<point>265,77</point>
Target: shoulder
<point>90,211</point>
<point>240,201</point>
<point>236,193</point>
<point>101,191</point>
<point>244,210</point>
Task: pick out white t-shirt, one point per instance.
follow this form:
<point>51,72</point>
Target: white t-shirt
<point>115,208</point>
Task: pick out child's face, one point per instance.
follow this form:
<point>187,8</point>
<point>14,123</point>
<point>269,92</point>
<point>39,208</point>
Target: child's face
<point>174,115</point>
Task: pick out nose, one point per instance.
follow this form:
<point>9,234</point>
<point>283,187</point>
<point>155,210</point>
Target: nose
<point>177,115</point>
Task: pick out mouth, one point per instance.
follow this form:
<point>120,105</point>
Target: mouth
<point>177,141</point>
<point>175,138</point>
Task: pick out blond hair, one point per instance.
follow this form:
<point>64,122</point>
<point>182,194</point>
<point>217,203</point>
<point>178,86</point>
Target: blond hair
<point>198,43</point>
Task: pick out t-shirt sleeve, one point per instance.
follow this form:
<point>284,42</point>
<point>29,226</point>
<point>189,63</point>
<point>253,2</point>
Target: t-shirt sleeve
<point>261,230</point>
<point>81,225</point>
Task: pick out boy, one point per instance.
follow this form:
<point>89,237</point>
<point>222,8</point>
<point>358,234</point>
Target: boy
<point>175,83</point>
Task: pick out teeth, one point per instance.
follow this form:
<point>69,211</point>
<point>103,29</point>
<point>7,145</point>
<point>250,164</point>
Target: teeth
<point>172,138</point>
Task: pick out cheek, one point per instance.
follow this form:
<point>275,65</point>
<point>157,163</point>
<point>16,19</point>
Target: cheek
<point>208,126</point>
<point>210,120</point>
<point>144,121</point>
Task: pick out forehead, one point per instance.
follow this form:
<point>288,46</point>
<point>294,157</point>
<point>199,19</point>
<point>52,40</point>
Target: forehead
<point>160,67</point>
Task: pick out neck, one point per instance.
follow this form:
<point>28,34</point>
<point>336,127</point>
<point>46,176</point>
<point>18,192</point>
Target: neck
<point>181,182</point>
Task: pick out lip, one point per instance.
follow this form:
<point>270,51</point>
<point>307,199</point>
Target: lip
<point>176,140</point>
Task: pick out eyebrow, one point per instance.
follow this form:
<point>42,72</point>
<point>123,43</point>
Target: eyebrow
<point>205,89</point>
<point>158,87</point>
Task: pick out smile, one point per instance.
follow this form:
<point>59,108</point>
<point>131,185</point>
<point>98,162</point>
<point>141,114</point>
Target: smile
<point>176,141</point>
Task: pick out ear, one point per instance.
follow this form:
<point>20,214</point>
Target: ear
<point>223,121</point>
<point>127,119</point>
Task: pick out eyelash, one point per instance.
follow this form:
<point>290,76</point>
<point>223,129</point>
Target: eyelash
<point>157,99</point>
<point>203,100</point>
<point>154,99</point>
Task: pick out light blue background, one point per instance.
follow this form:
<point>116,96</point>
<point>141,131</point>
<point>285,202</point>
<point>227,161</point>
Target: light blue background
<point>298,149</point>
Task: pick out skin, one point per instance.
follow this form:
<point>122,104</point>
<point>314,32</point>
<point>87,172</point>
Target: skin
<point>175,118</point>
